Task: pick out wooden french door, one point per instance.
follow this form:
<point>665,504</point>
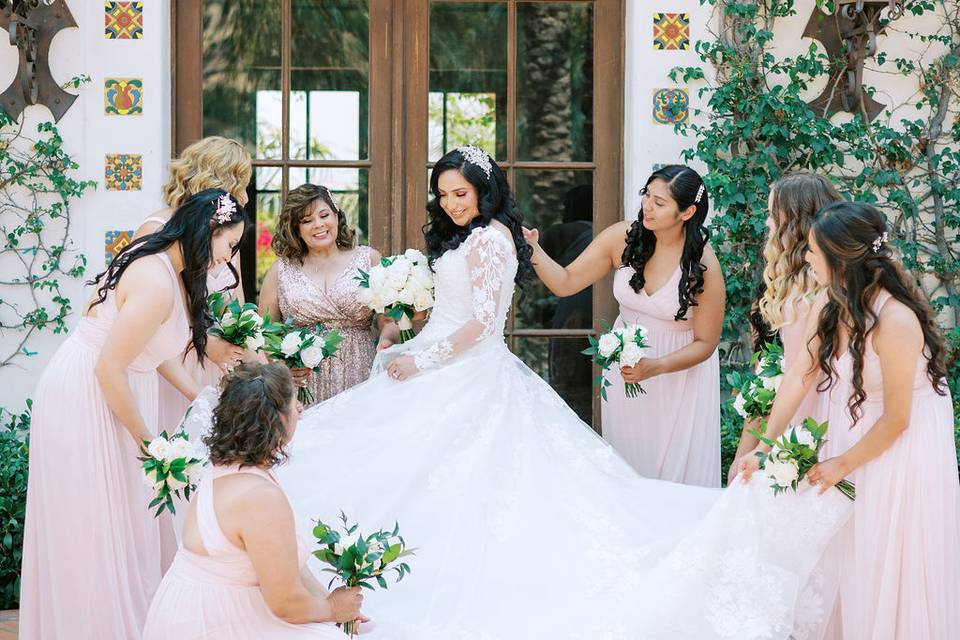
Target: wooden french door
<point>364,95</point>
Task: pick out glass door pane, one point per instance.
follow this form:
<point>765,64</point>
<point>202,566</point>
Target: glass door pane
<point>468,77</point>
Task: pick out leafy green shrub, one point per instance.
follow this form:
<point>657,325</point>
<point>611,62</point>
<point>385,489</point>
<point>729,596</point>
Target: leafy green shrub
<point>13,501</point>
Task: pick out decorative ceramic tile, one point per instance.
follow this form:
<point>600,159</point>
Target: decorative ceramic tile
<point>114,242</point>
<point>123,20</point>
<point>671,106</point>
<point>123,171</point>
<point>123,96</point>
<point>671,31</point>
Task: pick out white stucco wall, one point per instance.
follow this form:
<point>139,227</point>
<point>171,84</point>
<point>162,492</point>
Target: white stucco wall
<point>88,136</point>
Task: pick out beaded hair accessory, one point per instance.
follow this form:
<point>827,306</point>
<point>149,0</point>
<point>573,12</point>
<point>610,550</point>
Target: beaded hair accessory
<point>477,156</point>
<point>226,207</point>
<point>879,242</point>
<point>329,197</point>
<point>699,194</point>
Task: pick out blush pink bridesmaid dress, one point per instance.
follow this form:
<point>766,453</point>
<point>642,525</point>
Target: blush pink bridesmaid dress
<point>91,552</point>
<point>217,596</point>
<point>901,552</point>
<point>673,431</point>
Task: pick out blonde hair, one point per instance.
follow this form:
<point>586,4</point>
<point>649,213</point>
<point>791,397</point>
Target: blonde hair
<point>211,163</point>
<point>790,284</point>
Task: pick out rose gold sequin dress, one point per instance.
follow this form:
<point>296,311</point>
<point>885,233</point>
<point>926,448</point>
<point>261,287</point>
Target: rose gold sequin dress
<point>336,308</point>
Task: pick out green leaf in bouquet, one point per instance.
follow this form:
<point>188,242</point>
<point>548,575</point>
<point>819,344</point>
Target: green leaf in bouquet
<point>365,585</point>
<point>382,582</point>
<point>216,302</point>
<point>325,555</point>
<point>392,553</point>
<point>363,279</point>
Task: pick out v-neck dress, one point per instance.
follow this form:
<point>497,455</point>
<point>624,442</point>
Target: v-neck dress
<point>672,432</point>
<point>335,308</point>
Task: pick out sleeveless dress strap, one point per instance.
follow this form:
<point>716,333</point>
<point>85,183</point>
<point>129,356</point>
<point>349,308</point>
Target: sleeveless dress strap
<point>157,219</point>
<point>214,539</point>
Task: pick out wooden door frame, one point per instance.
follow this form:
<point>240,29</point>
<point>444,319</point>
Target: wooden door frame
<point>398,149</point>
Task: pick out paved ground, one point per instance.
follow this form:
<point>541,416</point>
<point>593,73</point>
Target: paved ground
<point>8,625</point>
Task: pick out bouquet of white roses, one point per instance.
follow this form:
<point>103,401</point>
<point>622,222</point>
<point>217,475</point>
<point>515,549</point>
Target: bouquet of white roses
<point>793,454</point>
<point>171,464</point>
<point>398,287</point>
<point>623,346</point>
<point>757,391</point>
<point>357,559</point>
<point>302,347</point>
<point>240,325</point>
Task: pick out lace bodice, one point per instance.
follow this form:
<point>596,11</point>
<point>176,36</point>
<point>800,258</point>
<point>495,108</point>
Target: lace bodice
<point>473,289</point>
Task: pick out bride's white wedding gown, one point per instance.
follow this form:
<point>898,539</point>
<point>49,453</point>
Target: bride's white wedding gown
<point>527,524</point>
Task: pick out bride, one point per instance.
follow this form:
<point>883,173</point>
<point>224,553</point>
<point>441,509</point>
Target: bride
<point>527,524</point>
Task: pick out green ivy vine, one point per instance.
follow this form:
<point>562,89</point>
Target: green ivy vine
<point>756,126</point>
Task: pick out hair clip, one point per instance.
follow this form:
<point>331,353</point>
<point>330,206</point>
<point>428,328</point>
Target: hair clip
<point>879,242</point>
<point>226,207</point>
<point>476,156</point>
<point>699,194</point>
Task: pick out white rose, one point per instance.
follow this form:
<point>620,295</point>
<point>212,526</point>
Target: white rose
<point>377,564</point>
<point>415,255</point>
<point>150,479</point>
<point>423,301</point>
<point>228,319</point>
<point>158,448</point>
<point>291,343</point>
<point>407,295</point>
<point>311,356</point>
<point>365,296</point>
<point>771,384</point>
<point>378,275</point>
<point>423,276</point>
<point>194,473</point>
<point>783,472</point>
<point>255,342</point>
<point>401,265</point>
<point>396,280</point>
<point>179,448</point>
<point>338,548</point>
<point>631,354</point>
<point>175,484</point>
<point>739,405</point>
<point>608,344</point>
<point>803,437</point>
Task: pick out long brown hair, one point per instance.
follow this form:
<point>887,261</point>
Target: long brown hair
<point>247,424</point>
<point>287,242</point>
<point>852,238</point>
<point>796,199</point>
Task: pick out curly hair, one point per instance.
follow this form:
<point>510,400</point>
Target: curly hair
<point>248,427</point>
<point>287,242</point>
<point>846,232</point>
<point>796,199</point>
<point>210,163</point>
<point>495,201</point>
<point>193,224</point>
<point>685,184</point>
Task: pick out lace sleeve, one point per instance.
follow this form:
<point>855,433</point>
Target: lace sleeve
<point>487,260</point>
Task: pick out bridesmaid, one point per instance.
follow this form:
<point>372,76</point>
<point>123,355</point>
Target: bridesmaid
<point>313,281</point>
<point>241,571</point>
<point>210,163</point>
<point>877,335</point>
<point>668,279</point>
<point>790,288</point>
<point>91,553</point>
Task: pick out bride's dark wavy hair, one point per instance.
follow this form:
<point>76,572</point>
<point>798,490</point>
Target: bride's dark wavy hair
<point>684,184</point>
<point>193,224</point>
<point>494,201</point>
<point>845,233</point>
